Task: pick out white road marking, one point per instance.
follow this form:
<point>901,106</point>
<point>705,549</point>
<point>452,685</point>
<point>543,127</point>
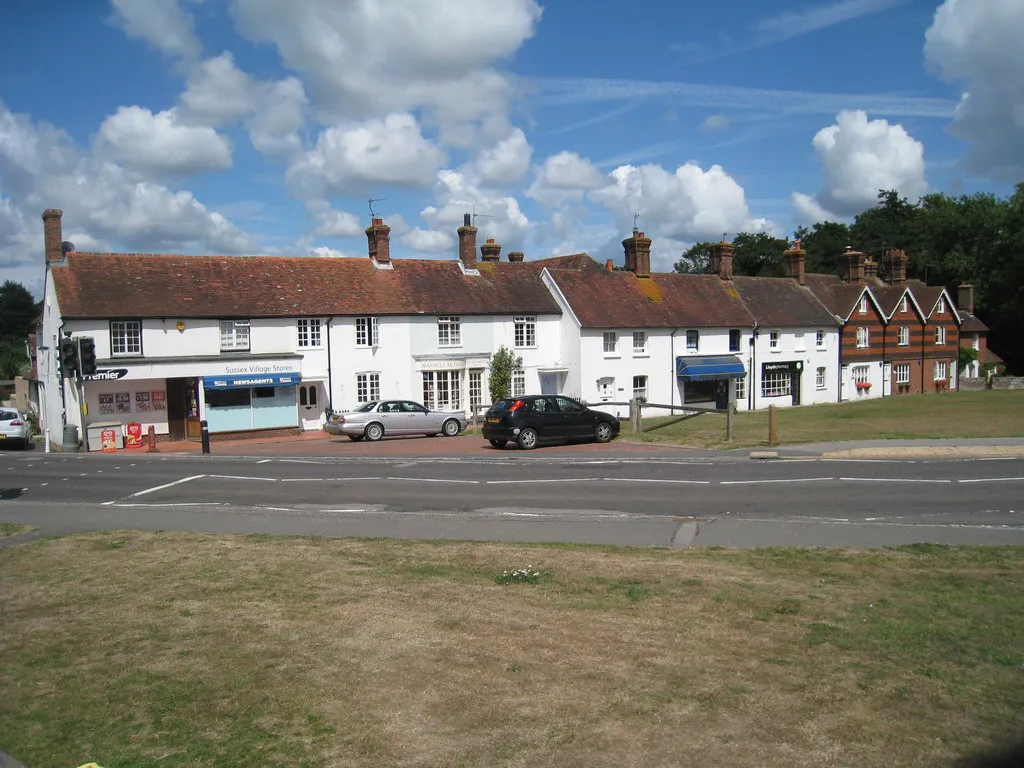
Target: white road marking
<point>997,458</point>
<point>560,480</point>
<point>166,485</point>
<point>790,521</point>
<point>891,480</point>
<point>789,480</point>
<point>265,461</point>
<point>307,479</point>
<point>243,477</point>
<point>654,480</point>
<point>174,504</point>
<point>434,480</point>
<point>875,461</point>
<point>992,480</point>
<point>346,510</point>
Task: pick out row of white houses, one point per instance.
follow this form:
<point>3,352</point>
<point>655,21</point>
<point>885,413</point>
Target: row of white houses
<point>268,343</point>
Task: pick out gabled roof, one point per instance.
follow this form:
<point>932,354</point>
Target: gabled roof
<point>928,297</point>
<point>840,298</point>
<point>889,297</point>
<point>102,285</point>
<point>619,299</point>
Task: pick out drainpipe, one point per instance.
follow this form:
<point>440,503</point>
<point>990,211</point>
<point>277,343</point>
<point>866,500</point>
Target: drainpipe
<point>60,380</point>
<point>675,381</point>
<point>752,358</point>
<point>330,380</point>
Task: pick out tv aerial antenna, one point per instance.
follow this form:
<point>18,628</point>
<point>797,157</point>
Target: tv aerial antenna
<point>371,201</point>
<point>481,215</point>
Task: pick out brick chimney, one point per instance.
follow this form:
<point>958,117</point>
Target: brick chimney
<point>638,254</point>
<point>965,298</point>
<point>610,265</point>
<point>516,256</point>
<point>794,260</point>
<point>854,266</point>
<point>896,267</point>
<point>378,239</point>
<point>467,243</point>
<point>720,260</point>
<point>491,250</point>
<point>870,269</point>
<point>53,238</point>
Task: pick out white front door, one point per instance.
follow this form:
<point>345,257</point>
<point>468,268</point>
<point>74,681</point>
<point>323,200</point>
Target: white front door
<point>311,405</point>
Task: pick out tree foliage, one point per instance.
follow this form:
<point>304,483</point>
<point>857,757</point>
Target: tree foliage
<point>502,364</point>
<point>18,313</point>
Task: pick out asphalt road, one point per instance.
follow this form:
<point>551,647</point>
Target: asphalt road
<point>611,498</point>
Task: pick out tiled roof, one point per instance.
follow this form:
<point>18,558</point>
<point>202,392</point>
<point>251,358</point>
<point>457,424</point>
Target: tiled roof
<point>101,285</point>
<point>782,302</point>
<point>971,324</point>
<point>603,299</point>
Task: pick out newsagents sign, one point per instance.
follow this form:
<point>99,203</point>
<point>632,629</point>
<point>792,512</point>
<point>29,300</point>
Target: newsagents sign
<point>256,380</point>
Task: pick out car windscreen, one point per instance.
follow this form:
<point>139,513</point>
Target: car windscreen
<point>366,407</point>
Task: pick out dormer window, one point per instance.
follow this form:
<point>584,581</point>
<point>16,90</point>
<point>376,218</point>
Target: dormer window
<point>904,304</point>
<point>863,308</point>
<point>940,306</point>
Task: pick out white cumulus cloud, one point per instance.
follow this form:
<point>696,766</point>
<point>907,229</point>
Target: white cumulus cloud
<point>161,23</point>
<point>499,216</point>
<point>563,178</point>
<point>159,144</point>
<point>505,162</point>
<point>360,158</point>
<point>858,158</point>
<point>976,43</point>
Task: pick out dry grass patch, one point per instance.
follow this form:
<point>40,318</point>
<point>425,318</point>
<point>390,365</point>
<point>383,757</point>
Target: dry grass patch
<point>154,649</point>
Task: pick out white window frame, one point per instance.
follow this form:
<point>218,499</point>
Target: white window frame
<point>860,374</point>
<point>442,390</point>
<point>611,342</point>
<point>639,342</point>
<point>232,338</point>
<point>518,382</point>
<point>902,372</point>
<point>693,340</point>
<point>940,335</point>
<point>606,387</point>
<point>476,390</point>
<point>525,331</point>
<point>819,339</point>
<point>904,304</point>
<point>777,384</point>
<point>903,336</point>
<point>941,370</point>
<point>125,338</point>
<point>741,388</point>
<point>449,331</point>
<point>862,308</point>
<point>863,337</point>
<point>976,342</point>
<point>819,378</point>
<point>940,306</point>
<point>640,388</point>
<point>367,332</point>
<point>309,332</point>
<point>773,340</point>
<point>368,387</point>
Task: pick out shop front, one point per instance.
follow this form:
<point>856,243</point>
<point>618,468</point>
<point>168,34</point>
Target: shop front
<point>782,380</point>
<point>705,380</point>
<point>250,402</point>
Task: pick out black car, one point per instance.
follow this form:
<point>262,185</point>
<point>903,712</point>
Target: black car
<point>532,419</point>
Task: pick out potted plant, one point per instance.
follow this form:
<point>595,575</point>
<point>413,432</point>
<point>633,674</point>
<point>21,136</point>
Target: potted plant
<point>863,386</point>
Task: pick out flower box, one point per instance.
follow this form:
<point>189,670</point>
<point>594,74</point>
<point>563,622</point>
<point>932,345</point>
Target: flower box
<point>863,385</point>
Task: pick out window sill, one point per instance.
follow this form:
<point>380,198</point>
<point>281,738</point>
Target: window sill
<point>641,354</point>
<point>775,350</point>
<point>612,356</point>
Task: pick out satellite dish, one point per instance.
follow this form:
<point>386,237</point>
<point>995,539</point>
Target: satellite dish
<point>67,246</point>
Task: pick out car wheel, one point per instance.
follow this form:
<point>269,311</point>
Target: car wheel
<point>374,432</point>
<point>355,438</point>
<point>527,439</point>
<point>451,428</point>
<point>498,443</point>
<point>603,432</point>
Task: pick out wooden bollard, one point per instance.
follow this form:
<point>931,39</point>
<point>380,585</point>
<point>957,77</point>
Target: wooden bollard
<point>772,425</point>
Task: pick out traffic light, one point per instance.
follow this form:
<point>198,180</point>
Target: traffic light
<point>87,355</point>
<point>69,357</point>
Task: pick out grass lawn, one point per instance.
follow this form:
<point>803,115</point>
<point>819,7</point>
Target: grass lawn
<point>149,650</point>
<point>989,413</point>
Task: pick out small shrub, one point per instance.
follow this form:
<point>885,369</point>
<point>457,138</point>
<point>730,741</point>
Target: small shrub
<point>520,576</point>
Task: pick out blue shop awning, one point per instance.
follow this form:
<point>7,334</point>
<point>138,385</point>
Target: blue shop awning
<point>709,368</point>
<point>251,380</point>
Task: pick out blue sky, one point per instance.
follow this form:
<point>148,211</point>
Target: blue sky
<point>263,126</point>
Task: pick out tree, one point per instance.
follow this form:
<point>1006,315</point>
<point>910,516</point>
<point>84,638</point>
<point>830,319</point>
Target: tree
<point>13,360</point>
<point>893,223</point>
<point>758,255</point>
<point>695,260</point>
<point>18,311</point>
<point>825,243</point>
<point>502,364</point>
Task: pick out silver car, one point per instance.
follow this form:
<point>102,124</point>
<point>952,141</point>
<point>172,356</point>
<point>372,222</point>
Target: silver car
<point>13,427</point>
<point>395,417</point>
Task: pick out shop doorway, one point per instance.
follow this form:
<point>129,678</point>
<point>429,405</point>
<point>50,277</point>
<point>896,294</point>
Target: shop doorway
<point>183,409</point>
<point>310,405</point>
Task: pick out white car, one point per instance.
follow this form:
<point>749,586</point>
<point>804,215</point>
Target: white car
<point>376,419</point>
<point>13,427</point>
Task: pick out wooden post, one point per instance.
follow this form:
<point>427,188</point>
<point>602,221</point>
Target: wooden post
<point>772,424</point>
<point>634,415</point>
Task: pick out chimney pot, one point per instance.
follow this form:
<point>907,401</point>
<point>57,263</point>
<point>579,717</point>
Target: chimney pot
<point>610,264</point>
<point>467,220</point>
<point>638,254</point>
<point>467,244</point>
<point>378,240</point>
<point>720,261</point>
<point>896,266</point>
<point>855,271</point>
<point>53,239</point>
<point>795,260</point>
<point>515,256</point>
<point>490,250</point>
